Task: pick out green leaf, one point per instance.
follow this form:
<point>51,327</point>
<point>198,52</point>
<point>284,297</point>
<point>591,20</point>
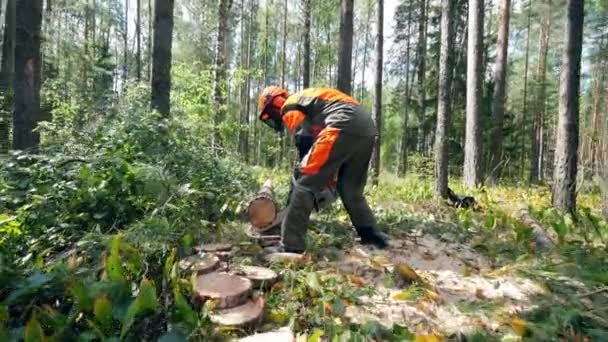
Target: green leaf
<point>81,296</point>
<point>183,310</point>
<point>146,301</point>
<point>114,263</point>
<point>316,335</point>
<point>103,311</point>
<point>33,331</point>
<point>312,281</point>
<point>169,264</point>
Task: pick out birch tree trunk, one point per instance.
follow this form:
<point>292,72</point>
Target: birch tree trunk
<point>566,151</point>
<point>446,66</point>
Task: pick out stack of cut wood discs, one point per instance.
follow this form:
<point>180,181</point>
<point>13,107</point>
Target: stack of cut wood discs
<point>231,291</point>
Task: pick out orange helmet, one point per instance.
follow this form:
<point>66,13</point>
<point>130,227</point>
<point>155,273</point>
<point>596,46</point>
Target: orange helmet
<point>269,114</point>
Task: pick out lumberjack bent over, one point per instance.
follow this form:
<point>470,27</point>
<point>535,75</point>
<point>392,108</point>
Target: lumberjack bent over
<point>343,135</point>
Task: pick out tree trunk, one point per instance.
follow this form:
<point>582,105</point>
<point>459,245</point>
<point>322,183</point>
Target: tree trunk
<point>365,46</point>
<point>472,149</point>
<point>219,91</point>
<point>345,47</point>
<point>564,177</point>
<point>378,89</point>
<point>536,156</point>
<point>125,62</point>
<point>402,169</point>
<point>138,37</point>
<point>525,97</point>
<point>27,113</point>
<point>161,56</point>
<point>245,87</point>
<point>284,48</point>
<point>446,66</point>
<point>7,69</point>
<point>150,34</point>
<point>421,56</point>
<point>498,101</point>
<point>306,53</point>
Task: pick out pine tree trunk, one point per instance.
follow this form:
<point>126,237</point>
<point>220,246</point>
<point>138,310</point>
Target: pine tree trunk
<point>138,37</point>
<point>125,61</point>
<point>525,95</point>
<point>402,169</point>
<point>365,53</point>
<point>7,69</point>
<point>345,46</point>
<point>27,113</point>
<point>219,88</point>
<point>306,53</point>
<point>150,40</point>
<point>446,66</point>
<point>245,64</point>
<point>536,155</point>
<point>472,150</point>
<point>161,56</point>
<point>421,70</point>
<point>498,101</point>
<point>378,90</point>
<point>566,151</point>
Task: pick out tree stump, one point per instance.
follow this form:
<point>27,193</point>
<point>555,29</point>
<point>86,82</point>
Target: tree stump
<point>244,315</point>
<point>200,264</point>
<point>262,210</point>
<point>260,276</point>
<point>228,290</point>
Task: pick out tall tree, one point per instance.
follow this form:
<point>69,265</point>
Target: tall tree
<point>566,150</point>
<point>536,155</point>
<point>446,65</point>
<point>365,53</point>
<point>524,115</point>
<point>125,37</point>
<point>402,169</point>
<point>378,89</point>
<point>246,65</point>
<point>306,53</point>
<point>284,47</point>
<point>138,38</point>
<point>27,113</point>
<point>345,46</point>
<point>421,73</point>
<point>6,74</point>
<point>219,91</point>
<point>472,147</point>
<point>161,56</point>
<point>498,101</point>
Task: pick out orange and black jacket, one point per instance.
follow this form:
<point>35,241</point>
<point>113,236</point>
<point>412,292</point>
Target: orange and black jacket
<point>309,111</point>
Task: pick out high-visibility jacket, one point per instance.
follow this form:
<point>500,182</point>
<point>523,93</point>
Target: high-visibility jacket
<point>309,111</point>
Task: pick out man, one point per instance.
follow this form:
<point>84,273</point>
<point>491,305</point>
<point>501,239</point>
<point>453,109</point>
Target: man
<point>342,134</point>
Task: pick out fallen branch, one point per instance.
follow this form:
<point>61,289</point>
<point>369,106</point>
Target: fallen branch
<point>598,291</point>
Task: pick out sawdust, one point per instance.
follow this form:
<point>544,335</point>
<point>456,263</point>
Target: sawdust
<point>466,295</point>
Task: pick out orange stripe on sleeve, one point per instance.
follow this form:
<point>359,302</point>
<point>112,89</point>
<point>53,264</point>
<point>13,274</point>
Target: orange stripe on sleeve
<point>293,119</point>
<point>319,153</point>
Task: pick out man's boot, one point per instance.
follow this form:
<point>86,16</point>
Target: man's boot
<point>369,236</point>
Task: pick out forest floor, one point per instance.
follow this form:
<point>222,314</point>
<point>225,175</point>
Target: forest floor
<point>476,273</point>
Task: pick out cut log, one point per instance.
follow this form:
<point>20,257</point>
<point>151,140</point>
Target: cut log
<point>250,313</point>
<point>262,238</point>
<point>200,264</point>
<point>227,289</point>
<point>285,257</point>
<point>260,276</point>
<point>281,335</point>
<point>214,247</point>
<point>262,209</point>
